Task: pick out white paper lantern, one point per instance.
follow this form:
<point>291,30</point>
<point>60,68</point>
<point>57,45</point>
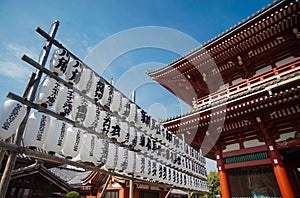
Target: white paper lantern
<point>112,157</point>
<point>159,133</point>
<point>12,114</point>
<point>151,147</point>
<point>101,151</point>
<point>159,172</point>
<point>110,96</point>
<point>80,109</point>
<point>65,101</point>
<point>97,89</point>
<point>179,179</point>
<point>173,173</point>
<point>169,174</point>
<point>153,175</point>
<point>55,138</point>
<point>161,153</point>
<point>173,141</point>
<point>122,159</point>
<point>184,179</point>
<point>132,137</point>
<point>115,129</point>
<point>131,166</point>
<point>76,103</point>
<point>132,113</point>
<point>36,130</point>
<point>139,118</point>
<point>140,144</point>
<point>107,95</point>
<point>164,136</point>
<point>87,148</point>
<point>86,80</point>
<point>183,163</point>
<point>147,149</point>
<point>116,102</point>
<point>103,125</point>
<point>186,149</point>
<point>73,73</point>
<point>157,151</point>
<point>169,157</point>
<point>169,138</point>
<point>124,133</point>
<point>181,146</point>
<point>72,142</point>
<point>91,116</point>
<point>125,108</point>
<point>147,171</point>
<point>146,120</point>
<point>59,61</point>
<point>153,127</point>
<point>164,177</point>
<point>48,92</point>
<point>140,165</point>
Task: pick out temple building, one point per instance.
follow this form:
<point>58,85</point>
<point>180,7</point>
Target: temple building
<point>243,86</point>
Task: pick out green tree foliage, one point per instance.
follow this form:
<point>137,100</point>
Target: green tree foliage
<point>214,184</point>
<point>72,194</point>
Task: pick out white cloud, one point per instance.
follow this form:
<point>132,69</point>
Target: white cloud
<point>18,51</point>
<point>13,70</point>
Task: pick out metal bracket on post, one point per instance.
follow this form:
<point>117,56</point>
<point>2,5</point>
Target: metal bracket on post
<point>105,187</point>
<point>29,93</point>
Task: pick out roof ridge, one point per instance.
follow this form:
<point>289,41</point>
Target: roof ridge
<point>202,46</point>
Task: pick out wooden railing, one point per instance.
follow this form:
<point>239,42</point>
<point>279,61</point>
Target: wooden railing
<point>254,83</point>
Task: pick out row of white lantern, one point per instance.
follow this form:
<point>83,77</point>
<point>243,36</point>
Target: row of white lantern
<point>154,149</point>
<point>93,86</point>
<point>129,162</point>
<point>121,135</point>
<point>71,141</point>
<point>36,135</point>
<point>126,135</point>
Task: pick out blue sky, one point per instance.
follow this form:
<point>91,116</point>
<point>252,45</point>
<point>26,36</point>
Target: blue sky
<point>85,24</point>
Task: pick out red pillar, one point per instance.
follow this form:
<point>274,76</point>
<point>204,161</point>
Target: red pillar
<point>277,163</point>
<point>224,184</point>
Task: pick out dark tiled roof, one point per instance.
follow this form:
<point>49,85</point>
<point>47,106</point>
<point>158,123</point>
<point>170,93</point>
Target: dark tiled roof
<point>80,177</point>
<point>66,174</point>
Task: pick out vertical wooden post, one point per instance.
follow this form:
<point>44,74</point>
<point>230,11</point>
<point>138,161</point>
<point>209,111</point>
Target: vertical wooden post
<point>105,187</point>
<point>277,163</point>
<point>225,189</point>
<point>131,188</point>
<point>29,94</point>
<point>169,192</point>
